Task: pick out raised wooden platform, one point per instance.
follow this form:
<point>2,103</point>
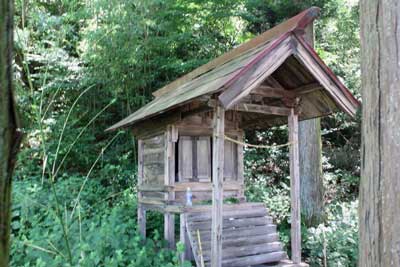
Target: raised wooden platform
<point>249,236</point>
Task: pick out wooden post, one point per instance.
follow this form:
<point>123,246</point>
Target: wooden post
<point>187,253</point>
<point>141,212</point>
<point>169,218</point>
<point>293,124</point>
<point>217,176</point>
<point>240,166</point>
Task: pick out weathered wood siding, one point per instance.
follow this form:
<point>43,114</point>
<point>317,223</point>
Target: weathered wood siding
<point>154,160</point>
<point>194,159</point>
<point>230,161</point>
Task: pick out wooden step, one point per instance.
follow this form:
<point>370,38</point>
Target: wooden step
<point>239,232</point>
<point>244,241</point>
<point>229,214</point>
<point>249,236</point>
<point>250,249</point>
<point>233,222</point>
<point>282,263</point>
<point>254,259</point>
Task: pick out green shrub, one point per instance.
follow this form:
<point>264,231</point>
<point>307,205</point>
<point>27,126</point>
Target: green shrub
<point>336,242</point>
<point>101,232</point>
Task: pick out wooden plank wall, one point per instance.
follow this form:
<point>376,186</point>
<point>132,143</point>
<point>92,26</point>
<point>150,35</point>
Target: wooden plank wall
<point>194,158</point>
<point>154,160</point>
<point>194,149</point>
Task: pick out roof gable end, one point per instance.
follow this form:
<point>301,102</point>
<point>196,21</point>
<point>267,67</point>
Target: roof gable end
<point>267,61</point>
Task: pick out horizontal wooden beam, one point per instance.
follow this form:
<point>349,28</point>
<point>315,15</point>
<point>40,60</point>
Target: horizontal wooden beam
<point>272,92</point>
<point>163,208</point>
<point>194,186</point>
<point>308,88</point>
<point>182,187</point>
<point>262,109</point>
<point>155,188</point>
<point>278,92</point>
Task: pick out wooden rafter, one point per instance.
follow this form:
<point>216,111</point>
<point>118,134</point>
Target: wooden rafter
<point>262,109</point>
<point>279,92</point>
<point>274,82</point>
<point>308,88</point>
<point>272,92</point>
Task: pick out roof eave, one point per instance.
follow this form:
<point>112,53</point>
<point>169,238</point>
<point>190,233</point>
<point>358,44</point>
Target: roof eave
<point>353,104</point>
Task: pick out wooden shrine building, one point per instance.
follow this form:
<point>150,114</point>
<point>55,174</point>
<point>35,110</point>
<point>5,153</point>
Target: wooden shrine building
<point>191,134</point>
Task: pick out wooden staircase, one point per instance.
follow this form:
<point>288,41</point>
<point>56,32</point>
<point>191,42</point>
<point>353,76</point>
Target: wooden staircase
<point>249,236</point>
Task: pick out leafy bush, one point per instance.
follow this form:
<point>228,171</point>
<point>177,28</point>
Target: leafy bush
<point>341,185</point>
<point>336,242</point>
<point>101,230</point>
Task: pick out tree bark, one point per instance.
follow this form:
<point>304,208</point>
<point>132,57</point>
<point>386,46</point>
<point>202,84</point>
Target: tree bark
<point>9,136</point>
<point>311,183</point>
<point>380,184</point>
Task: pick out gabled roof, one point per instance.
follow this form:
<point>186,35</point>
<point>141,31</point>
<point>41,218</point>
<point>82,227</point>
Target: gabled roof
<point>239,71</point>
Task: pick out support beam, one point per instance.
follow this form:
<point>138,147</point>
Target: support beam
<point>275,92</point>
<point>274,82</point>
<point>141,212</point>
<point>217,176</point>
<point>308,88</point>
<point>272,92</point>
<point>263,109</point>
<point>169,218</point>
<point>186,255</point>
<point>293,125</point>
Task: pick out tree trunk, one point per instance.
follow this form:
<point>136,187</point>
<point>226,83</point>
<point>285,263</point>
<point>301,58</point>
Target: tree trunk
<point>311,184</point>
<point>380,183</point>
<point>9,137</point>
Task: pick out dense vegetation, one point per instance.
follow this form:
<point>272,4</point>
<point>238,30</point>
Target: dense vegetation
<point>82,65</point>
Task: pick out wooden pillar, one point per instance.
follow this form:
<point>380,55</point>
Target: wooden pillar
<point>169,218</point>
<point>293,124</point>
<point>187,253</point>
<point>217,176</point>
<point>240,166</point>
<point>141,212</point>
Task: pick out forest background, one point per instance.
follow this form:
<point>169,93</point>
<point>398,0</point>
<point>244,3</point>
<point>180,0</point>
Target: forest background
<point>82,65</point>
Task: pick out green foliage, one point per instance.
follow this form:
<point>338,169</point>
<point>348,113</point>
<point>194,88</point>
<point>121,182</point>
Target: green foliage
<point>335,243</point>
<point>102,229</point>
<point>136,47</point>
<point>336,239</point>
